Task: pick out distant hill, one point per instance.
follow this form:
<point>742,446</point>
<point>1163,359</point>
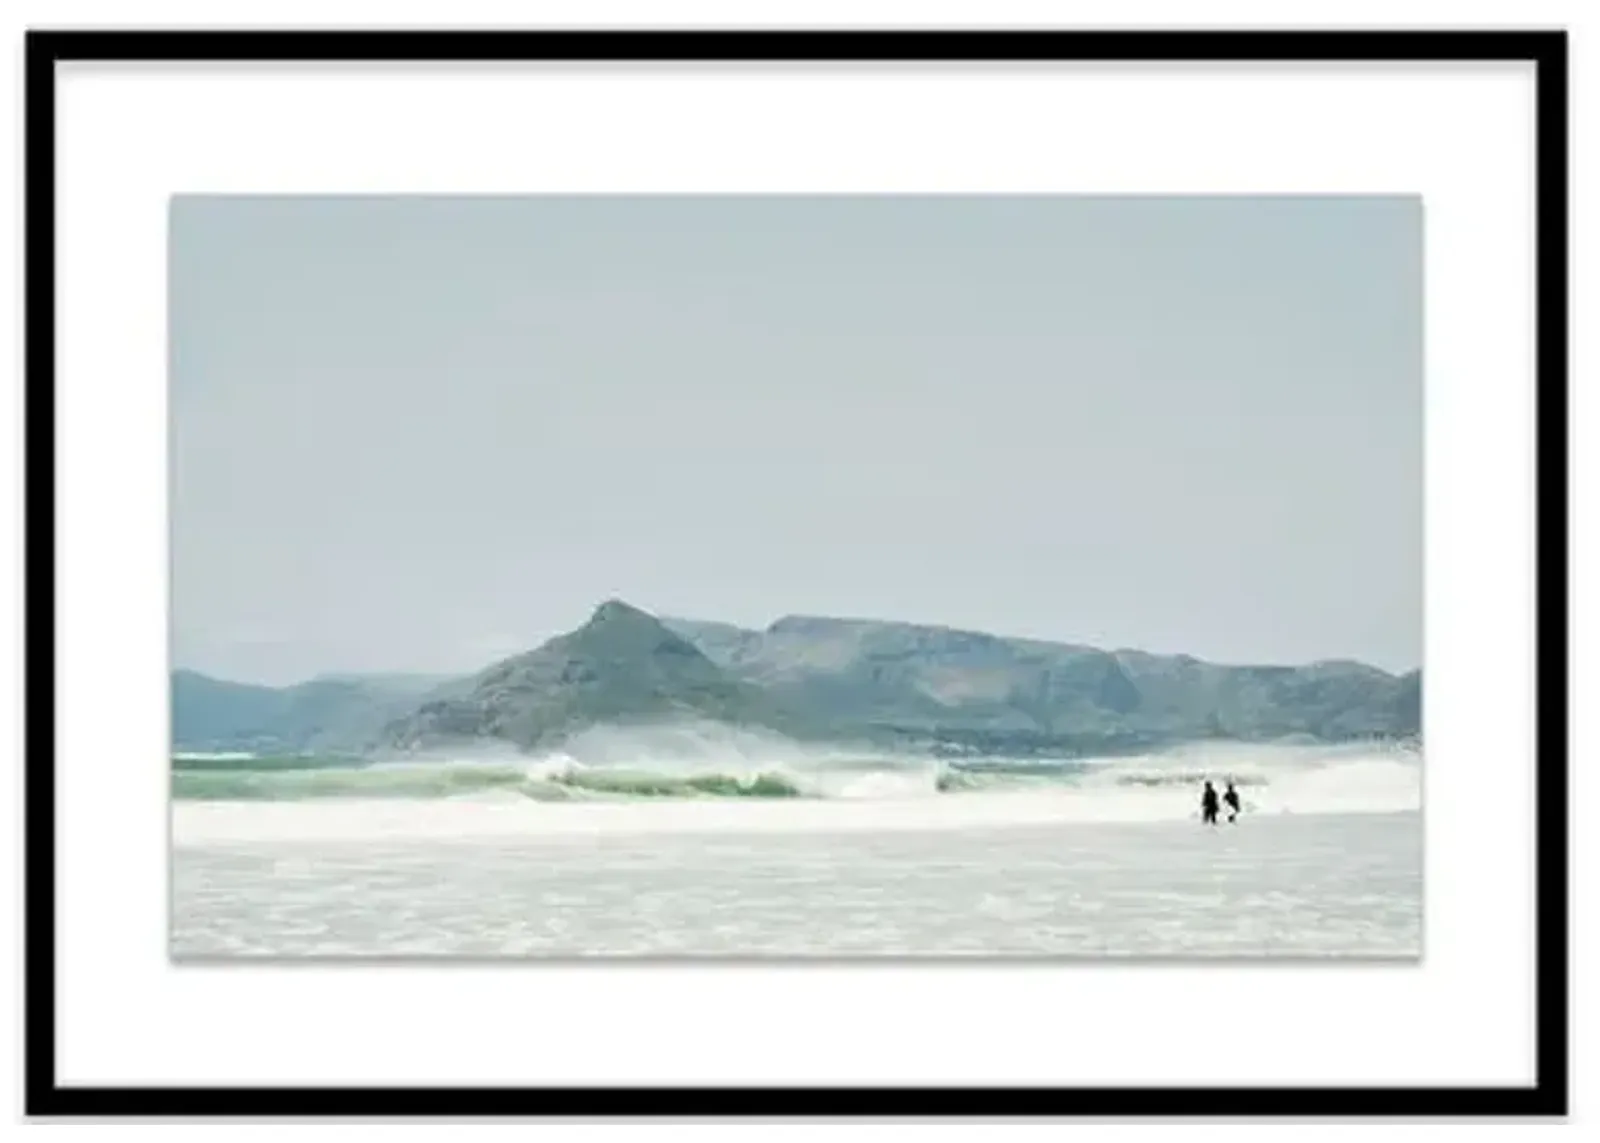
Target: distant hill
<point>811,678</point>
<point>622,666</point>
<point>332,713</point>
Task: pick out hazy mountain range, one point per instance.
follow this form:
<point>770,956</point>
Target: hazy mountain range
<point>809,678</point>
<point>329,713</point>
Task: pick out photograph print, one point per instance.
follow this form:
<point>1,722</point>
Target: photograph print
<point>697,576</point>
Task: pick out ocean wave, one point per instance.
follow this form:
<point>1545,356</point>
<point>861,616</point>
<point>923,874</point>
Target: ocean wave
<point>1283,780</point>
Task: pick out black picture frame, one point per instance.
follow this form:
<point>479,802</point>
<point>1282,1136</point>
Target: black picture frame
<point>1545,49</point>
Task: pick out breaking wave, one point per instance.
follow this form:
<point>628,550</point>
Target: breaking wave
<point>699,764</point>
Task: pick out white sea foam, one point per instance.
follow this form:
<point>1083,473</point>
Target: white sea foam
<point>1273,885</point>
<point>560,796</point>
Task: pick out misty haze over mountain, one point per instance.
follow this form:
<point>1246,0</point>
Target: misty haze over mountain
<point>807,678</point>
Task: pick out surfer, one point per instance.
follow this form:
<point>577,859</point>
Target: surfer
<point>1208,804</point>
<point>1232,800</point>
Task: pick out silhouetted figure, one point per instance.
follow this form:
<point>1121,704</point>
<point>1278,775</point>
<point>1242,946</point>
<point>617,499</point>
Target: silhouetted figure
<point>1208,804</point>
<point>1232,800</point>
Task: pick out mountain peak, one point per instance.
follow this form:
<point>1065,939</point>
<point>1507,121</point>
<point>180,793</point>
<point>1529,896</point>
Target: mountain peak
<point>618,630</point>
<point>617,611</point>
<point>623,665</point>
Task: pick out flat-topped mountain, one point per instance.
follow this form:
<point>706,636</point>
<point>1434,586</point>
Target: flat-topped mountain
<point>984,691</point>
<point>814,678</point>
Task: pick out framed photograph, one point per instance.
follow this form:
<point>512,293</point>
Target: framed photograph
<point>796,573</point>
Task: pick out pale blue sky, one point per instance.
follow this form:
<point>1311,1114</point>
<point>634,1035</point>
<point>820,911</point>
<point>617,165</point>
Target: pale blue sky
<point>422,433</point>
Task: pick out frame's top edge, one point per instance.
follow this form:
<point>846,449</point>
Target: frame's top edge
<point>949,44</point>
